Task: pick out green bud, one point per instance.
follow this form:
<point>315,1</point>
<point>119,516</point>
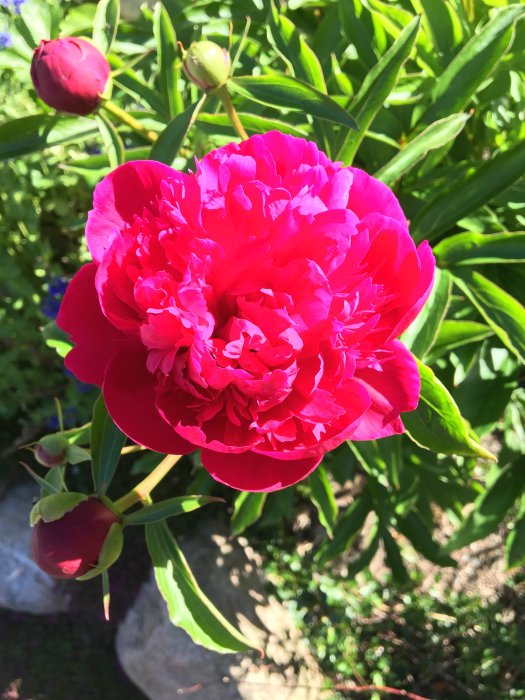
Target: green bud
<point>207,64</point>
<point>51,451</point>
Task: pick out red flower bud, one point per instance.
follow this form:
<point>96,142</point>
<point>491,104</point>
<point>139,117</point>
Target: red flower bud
<point>71,545</point>
<point>69,74</point>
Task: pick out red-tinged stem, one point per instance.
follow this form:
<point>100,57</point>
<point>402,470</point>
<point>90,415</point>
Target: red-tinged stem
<point>345,688</point>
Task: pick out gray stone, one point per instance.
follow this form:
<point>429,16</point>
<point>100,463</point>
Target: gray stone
<point>23,586</point>
<point>163,661</point>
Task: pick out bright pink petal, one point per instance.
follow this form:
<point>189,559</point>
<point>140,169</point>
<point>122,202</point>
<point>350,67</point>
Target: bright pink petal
<point>96,340</point>
<point>393,390</point>
<point>368,196</point>
<point>119,197</point>
<point>423,287</point>
<point>129,392</point>
<point>255,472</point>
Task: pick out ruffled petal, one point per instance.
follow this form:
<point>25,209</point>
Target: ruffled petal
<point>250,471</point>
<point>96,340</point>
<point>129,393</point>
<point>119,197</point>
<point>393,390</point>
<point>368,196</point>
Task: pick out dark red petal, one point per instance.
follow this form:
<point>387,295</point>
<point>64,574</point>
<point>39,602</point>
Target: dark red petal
<point>119,197</point>
<point>250,471</point>
<point>96,340</point>
<point>129,392</point>
<point>393,391</point>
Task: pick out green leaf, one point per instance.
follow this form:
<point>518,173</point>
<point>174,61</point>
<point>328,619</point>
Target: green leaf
<point>188,607</point>
<point>364,559</point>
<point>434,136</point>
<point>503,313</point>
<point>394,558</point>
<point>105,24</point>
<point>422,333</point>
<point>481,249</point>
<point>106,443</point>
<point>247,510</point>
<point>416,531</point>
<point>323,497</point>
<point>376,87</point>
<point>253,123</point>
<point>39,21</point>
<point>56,338</point>
<point>168,508</point>
<point>284,91</point>
<point>346,529</point>
<point>167,146</point>
<point>437,424</point>
<point>473,64</point>
<point>456,334</point>
<point>299,57</point>
<point>40,131</point>
<point>111,139</point>
<point>128,80</point>
<point>515,544</point>
<point>100,161</point>
<point>477,188</point>
<point>355,32</point>
<point>168,60</point>
<point>491,507</point>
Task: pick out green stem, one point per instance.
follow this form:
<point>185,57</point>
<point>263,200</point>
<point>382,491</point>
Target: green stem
<point>130,121</point>
<point>140,493</point>
<point>224,96</point>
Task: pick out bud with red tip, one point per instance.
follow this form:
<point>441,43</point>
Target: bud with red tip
<point>70,74</point>
<point>74,535</point>
<point>51,451</point>
<point>207,64</point>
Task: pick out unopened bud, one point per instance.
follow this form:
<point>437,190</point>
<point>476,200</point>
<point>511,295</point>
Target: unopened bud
<point>75,536</point>
<point>51,451</point>
<point>207,64</point>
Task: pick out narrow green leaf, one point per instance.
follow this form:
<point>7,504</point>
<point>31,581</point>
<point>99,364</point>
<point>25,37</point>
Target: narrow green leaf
<point>376,87</point>
<point>346,528</point>
<point>477,188</point>
<point>515,544</point>
<point>100,161</point>
<point>355,32</point>
<point>47,487</point>
<point>437,424</point>
<point>56,338</point>
<point>247,510</point>
<point>284,91</point>
<point>168,508</point>
<point>481,249</point>
<point>422,333</point>
<point>188,607</point>
<point>105,24</point>
<point>365,558</point>
<point>434,136</point>
<point>473,64</point>
<point>323,497</point>
<point>394,558</point>
<point>128,80</point>
<point>416,531</point>
<point>38,20</point>
<point>503,313</point>
<point>456,334</point>
<point>167,146</point>
<point>106,443</point>
<point>112,142</point>
<point>253,123</point>
<point>289,43</point>
<point>491,507</point>
<point>168,60</point>
<point>37,132</point>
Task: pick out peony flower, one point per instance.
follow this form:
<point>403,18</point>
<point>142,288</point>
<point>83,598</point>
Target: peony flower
<point>250,309</point>
<point>71,535</point>
<point>69,74</point>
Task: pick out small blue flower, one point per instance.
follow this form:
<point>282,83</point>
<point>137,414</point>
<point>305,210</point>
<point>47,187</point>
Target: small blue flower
<point>55,291</point>
<point>6,40</point>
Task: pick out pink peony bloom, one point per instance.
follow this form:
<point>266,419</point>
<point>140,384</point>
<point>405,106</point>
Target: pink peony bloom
<point>250,309</point>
